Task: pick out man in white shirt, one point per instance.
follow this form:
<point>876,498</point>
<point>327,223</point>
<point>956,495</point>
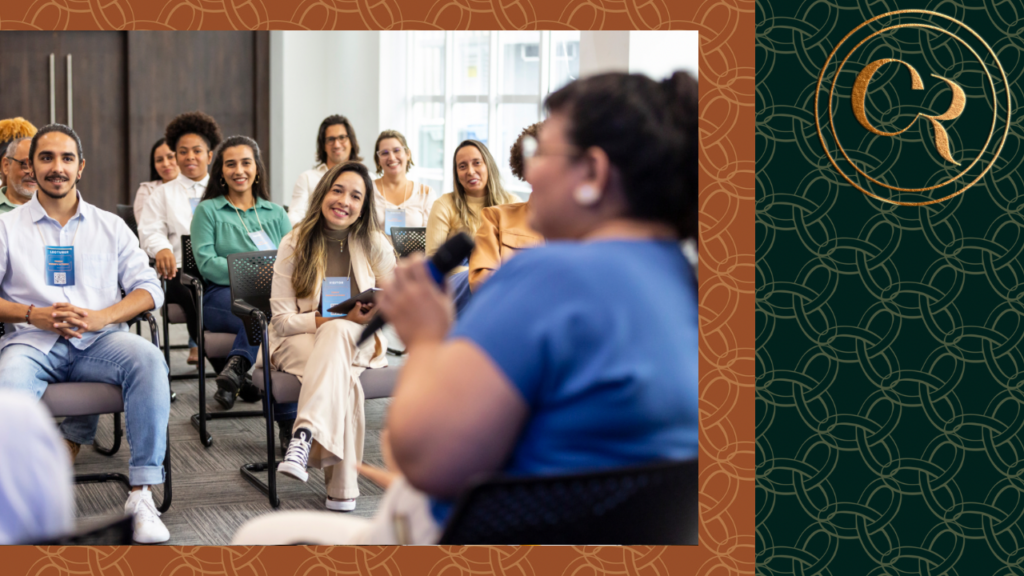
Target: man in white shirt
<point>167,214</point>
<point>63,263</point>
<point>19,186</point>
<point>335,143</point>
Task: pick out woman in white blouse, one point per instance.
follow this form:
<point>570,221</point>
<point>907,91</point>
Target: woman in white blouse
<point>400,201</point>
<point>162,169</point>
<point>336,143</point>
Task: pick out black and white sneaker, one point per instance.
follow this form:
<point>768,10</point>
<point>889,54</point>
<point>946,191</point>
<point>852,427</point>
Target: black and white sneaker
<point>297,456</point>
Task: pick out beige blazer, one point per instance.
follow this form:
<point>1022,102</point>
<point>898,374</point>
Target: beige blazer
<point>294,315</point>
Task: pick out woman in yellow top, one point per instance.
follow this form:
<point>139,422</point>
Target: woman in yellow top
<point>338,242</point>
<point>477,186</point>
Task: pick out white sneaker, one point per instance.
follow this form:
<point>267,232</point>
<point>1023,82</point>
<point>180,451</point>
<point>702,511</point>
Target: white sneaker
<point>341,505</point>
<point>147,525</point>
<point>297,456</point>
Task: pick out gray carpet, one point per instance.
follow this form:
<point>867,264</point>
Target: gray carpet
<point>211,499</point>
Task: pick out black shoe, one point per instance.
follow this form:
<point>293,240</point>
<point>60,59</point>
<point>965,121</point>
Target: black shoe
<point>249,392</point>
<point>284,433</point>
<point>230,381</point>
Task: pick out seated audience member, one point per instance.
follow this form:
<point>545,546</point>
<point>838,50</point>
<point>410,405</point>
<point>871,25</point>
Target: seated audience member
<point>504,229</point>
<point>63,263</point>
<point>236,215</point>
<point>400,201</point>
<point>477,186</point>
<point>163,167</point>
<point>167,211</point>
<point>19,185</point>
<point>547,372</point>
<point>336,143</point>
<point>36,496</point>
<point>339,239</point>
<point>12,129</point>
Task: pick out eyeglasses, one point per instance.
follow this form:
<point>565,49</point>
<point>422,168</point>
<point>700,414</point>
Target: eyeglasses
<point>530,150</point>
<point>385,154</point>
<point>332,139</point>
<point>22,164</point>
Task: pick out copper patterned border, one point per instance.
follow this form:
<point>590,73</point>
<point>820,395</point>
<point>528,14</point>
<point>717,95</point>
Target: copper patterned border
<point>726,282</point>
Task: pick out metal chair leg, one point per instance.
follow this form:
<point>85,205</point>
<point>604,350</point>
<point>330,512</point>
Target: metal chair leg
<point>270,466</point>
<point>117,439</point>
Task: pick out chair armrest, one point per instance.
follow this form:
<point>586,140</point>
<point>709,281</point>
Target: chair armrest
<point>243,309</point>
<point>147,316</point>
<point>188,279</point>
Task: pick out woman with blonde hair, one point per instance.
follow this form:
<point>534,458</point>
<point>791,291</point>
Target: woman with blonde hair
<point>337,246</point>
<point>400,201</point>
<point>477,186</point>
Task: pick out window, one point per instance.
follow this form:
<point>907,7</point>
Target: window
<point>485,86</point>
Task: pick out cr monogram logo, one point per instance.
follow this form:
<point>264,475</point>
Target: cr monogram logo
<point>891,165</point>
<point>860,92</point>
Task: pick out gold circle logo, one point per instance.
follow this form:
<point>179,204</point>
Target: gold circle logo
<point>938,124</point>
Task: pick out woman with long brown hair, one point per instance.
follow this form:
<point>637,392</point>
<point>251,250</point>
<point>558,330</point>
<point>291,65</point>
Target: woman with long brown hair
<point>477,186</point>
<point>337,249</point>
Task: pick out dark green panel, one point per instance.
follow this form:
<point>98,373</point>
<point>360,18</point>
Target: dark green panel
<point>889,381</point>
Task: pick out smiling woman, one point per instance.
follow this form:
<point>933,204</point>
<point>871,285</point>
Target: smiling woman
<point>337,251</point>
<point>235,215</point>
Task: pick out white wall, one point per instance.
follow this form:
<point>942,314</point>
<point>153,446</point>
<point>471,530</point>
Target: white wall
<point>314,75</point>
<point>655,53</point>
<point>658,54</point>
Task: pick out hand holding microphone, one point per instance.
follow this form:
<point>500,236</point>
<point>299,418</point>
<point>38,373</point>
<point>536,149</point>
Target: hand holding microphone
<point>415,298</point>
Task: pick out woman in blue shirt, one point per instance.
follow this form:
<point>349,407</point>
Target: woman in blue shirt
<point>575,356</point>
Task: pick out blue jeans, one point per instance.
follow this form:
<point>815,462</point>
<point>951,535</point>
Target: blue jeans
<point>116,357</point>
<point>218,317</point>
<point>458,288</point>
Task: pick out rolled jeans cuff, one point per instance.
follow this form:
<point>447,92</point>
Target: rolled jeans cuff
<point>145,475</point>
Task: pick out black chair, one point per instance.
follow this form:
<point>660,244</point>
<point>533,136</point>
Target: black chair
<point>650,505</point>
<point>409,240</point>
<point>117,533</point>
<point>212,345</point>
<point>251,275</point>
<point>88,398</point>
<point>170,313</point>
<point>127,213</point>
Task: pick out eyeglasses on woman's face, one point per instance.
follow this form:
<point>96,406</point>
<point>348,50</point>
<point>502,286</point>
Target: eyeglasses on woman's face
<point>341,139</point>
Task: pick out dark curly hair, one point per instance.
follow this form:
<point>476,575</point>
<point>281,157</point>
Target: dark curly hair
<point>649,132</point>
<point>516,152</point>
<point>321,138</point>
<point>217,187</point>
<point>198,123</point>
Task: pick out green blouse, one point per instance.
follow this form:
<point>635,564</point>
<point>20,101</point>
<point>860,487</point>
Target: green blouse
<point>217,231</point>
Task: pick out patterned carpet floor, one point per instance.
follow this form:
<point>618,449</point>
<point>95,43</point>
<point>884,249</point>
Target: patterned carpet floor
<point>211,499</point>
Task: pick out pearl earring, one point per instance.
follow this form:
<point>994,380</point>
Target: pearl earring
<point>586,195</point>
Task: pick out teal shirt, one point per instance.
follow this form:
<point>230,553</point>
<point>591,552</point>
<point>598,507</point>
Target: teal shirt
<point>217,231</point>
<point>5,204</point>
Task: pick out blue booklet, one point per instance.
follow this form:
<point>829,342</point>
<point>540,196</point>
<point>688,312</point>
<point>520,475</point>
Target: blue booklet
<point>333,291</point>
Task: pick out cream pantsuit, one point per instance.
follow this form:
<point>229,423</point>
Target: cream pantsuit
<point>327,362</point>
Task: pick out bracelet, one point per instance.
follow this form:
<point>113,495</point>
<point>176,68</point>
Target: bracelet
<point>29,311</point>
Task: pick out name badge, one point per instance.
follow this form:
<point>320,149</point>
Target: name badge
<point>393,218</point>
<point>262,241</point>
<point>333,291</point>
<point>60,265</point>
<point>193,202</point>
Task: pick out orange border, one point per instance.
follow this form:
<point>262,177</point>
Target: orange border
<point>726,281</point>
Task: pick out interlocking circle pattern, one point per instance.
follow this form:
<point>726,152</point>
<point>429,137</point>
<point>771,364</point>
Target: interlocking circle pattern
<point>890,338</point>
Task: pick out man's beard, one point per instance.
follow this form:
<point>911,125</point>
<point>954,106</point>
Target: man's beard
<point>21,191</point>
<point>56,196</point>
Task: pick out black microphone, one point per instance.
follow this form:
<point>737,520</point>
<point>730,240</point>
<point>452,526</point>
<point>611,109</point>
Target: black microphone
<point>447,257</point>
